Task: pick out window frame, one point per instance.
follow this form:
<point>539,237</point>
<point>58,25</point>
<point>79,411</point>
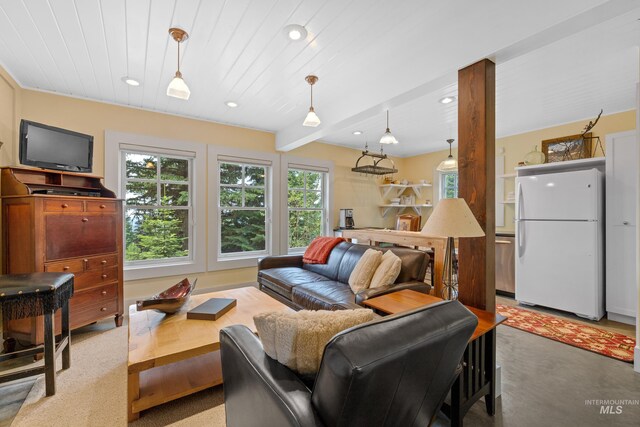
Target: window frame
<point>158,181</point>
<point>118,142</point>
<point>442,183</point>
<point>268,220</point>
<point>217,154</point>
<point>310,165</point>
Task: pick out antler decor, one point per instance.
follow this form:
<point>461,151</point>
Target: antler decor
<point>587,129</point>
<point>591,124</point>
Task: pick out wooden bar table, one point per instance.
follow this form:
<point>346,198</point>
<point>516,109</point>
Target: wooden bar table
<point>408,238</point>
<point>478,377</point>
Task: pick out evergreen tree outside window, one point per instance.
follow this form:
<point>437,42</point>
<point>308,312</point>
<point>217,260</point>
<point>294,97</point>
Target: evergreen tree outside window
<point>306,207</point>
<point>243,209</point>
<point>449,185</point>
<point>158,207</point>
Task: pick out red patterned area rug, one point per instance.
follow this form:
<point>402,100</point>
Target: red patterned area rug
<point>597,340</point>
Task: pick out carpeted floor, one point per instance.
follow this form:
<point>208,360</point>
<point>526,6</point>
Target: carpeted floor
<point>93,393</point>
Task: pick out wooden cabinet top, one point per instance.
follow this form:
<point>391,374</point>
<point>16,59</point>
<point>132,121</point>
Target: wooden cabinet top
<point>23,181</point>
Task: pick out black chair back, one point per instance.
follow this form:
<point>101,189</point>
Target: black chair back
<point>394,371</point>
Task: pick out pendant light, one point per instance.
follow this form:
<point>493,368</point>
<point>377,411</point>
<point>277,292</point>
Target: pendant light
<point>449,164</point>
<point>312,119</point>
<point>178,88</point>
<point>387,138</point>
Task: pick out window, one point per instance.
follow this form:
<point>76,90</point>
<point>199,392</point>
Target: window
<point>448,185</point>
<point>164,192</point>
<point>243,201</point>
<point>158,207</point>
<point>306,206</point>
<point>243,214</point>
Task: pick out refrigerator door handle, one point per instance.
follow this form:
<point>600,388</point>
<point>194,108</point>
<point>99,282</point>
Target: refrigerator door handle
<point>520,239</point>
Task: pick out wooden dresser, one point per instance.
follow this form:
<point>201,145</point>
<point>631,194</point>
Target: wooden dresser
<point>63,222</point>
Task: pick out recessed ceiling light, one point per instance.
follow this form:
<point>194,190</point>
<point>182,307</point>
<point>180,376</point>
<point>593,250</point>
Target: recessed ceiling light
<point>130,81</point>
<point>357,132</point>
<point>295,32</point>
<point>231,104</point>
<point>447,99</point>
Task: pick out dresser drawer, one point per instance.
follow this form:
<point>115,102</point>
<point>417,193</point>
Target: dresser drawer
<point>77,235</point>
<point>63,205</point>
<point>101,206</point>
<point>93,304</point>
<point>100,262</point>
<point>70,266</point>
<point>92,278</point>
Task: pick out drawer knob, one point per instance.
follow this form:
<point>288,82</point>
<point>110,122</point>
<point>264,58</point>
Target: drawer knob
<point>103,206</point>
<point>64,205</point>
<point>625,222</point>
<point>103,262</point>
<point>85,219</point>
<point>104,276</point>
<point>65,268</point>
<point>103,292</point>
<point>103,309</point>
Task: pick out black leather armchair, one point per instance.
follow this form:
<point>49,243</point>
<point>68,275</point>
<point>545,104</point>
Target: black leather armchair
<point>392,371</point>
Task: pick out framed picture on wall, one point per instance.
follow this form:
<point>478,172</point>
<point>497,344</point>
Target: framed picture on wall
<point>571,147</point>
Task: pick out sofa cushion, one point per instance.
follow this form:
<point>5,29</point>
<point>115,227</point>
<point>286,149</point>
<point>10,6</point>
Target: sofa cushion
<point>330,269</point>
<point>364,270</point>
<point>329,295</point>
<point>297,340</point>
<point>387,271</point>
<point>283,280</point>
<point>414,264</point>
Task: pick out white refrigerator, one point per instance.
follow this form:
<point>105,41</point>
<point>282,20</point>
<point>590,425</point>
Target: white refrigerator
<point>559,241</point>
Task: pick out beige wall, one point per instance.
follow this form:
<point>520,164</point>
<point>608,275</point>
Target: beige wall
<point>350,190</point>
<point>515,148</point>
<point>10,96</point>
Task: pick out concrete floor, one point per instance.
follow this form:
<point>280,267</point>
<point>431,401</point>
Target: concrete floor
<point>547,383</point>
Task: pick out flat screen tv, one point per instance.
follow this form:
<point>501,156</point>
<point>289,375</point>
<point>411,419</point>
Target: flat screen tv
<point>54,148</point>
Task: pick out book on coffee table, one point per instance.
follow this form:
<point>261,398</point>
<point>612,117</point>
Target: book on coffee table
<point>212,309</point>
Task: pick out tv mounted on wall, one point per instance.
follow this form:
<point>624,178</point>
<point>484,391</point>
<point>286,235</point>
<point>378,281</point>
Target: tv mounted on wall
<point>54,148</point>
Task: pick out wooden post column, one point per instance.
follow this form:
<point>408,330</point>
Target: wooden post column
<point>476,182</point>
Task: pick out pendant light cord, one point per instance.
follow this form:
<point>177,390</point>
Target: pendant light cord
<point>178,57</point>
<point>311,95</point>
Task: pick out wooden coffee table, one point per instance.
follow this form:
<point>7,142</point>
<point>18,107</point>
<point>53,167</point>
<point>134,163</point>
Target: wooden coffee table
<point>171,356</point>
<point>478,377</point>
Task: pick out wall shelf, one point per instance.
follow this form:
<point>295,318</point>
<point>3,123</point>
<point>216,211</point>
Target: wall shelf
<point>394,190</point>
<point>390,208</point>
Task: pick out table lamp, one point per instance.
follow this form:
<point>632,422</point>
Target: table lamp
<point>451,218</point>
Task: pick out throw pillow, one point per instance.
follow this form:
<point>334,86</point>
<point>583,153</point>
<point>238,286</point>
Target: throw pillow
<point>361,275</point>
<point>388,270</point>
<point>297,340</point>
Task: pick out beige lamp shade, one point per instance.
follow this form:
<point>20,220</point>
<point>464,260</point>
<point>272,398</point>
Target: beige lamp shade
<point>452,218</point>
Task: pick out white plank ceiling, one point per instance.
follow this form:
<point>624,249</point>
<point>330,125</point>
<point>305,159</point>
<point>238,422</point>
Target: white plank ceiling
<point>557,61</point>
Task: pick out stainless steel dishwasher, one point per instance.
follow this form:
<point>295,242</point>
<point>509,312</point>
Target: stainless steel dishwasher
<point>505,263</point>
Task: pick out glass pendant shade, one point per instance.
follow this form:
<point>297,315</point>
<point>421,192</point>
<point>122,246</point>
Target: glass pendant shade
<point>388,138</point>
<point>312,119</point>
<point>450,164</point>
<point>178,88</point>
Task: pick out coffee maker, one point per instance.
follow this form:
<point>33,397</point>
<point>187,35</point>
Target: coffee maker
<point>346,218</point>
